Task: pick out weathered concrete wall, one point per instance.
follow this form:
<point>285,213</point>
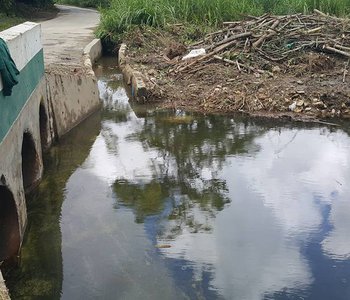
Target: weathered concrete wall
<point>20,120</point>
<point>11,151</point>
<point>26,49</point>
<point>134,78</point>
<point>44,106</point>
<point>92,52</point>
<point>73,97</point>
<point>74,93</point>
<point>19,112</point>
<point>24,42</point>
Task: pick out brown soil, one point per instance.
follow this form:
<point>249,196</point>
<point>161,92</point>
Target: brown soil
<point>309,85</point>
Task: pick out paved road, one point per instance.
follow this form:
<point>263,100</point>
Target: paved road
<point>65,36</point>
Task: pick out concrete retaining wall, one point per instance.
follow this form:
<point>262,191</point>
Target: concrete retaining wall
<point>11,148</point>
<point>24,43</point>
<point>73,98</point>
<point>44,106</point>
<point>137,80</point>
<point>65,96</point>
<point>92,52</point>
<point>74,93</point>
<point>19,112</point>
<point>20,118</point>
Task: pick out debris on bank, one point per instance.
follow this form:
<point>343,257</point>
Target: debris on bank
<point>274,38</point>
<point>292,65</point>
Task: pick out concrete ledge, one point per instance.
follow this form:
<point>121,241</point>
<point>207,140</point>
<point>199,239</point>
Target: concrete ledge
<point>138,86</point>
<point>93,50</point>
<point>73,92</point>
<point>24,43</point>
<point>122,55</point>
<point>91,53</point>
<point>128,74</point>
<point>136,79</point>
<point>73,97</point>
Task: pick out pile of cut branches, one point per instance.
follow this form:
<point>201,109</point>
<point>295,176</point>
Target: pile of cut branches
<point>247,44</point>
<point>282,66</point>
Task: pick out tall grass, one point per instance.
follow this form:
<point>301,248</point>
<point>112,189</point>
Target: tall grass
<point>9,21</point>
<point>123,14</point>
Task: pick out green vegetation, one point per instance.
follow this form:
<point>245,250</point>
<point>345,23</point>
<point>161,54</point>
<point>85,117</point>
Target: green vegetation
<point>10,6</point>
<point>124,14</point>
<point>85,3</point>
<point>7,21</point>
<point>13,12</point>
<point>5,5</point>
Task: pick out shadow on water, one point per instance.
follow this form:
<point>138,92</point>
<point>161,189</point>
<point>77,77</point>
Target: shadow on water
<point>40,273</point>
<point>173,205</point>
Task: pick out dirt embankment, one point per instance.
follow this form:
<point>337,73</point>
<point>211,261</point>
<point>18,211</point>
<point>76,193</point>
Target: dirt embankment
<point>281,66</point>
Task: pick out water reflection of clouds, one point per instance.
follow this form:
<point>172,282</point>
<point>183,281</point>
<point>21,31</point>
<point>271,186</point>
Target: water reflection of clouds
<point>246,252</point>
<point>277,191</point>
<point>311,172</point>
<point>133,162</point>
<point>296,180</point>
<point>255,247</point>
<point>337,243</point>
<point>255,258</point>
<point>330,171</point>
<point>277,178</point>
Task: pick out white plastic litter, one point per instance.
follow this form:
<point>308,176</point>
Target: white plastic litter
<point>194,53</point>
<point>293,106</point>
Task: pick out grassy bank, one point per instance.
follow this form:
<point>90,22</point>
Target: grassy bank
<point>19,12</point>
<point>123,14</point>
<point>7,21</point>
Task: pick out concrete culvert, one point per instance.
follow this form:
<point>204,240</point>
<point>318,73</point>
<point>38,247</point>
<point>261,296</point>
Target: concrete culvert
<point>30,163</point>
<point>9,228</point>
<point>43,119</point>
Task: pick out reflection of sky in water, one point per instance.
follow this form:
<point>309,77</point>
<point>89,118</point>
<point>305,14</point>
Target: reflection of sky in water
<point>115,154</point>
<point>277,205</point>
<point>283,235</point>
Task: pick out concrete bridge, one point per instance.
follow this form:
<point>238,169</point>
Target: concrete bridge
<point>51,98</point>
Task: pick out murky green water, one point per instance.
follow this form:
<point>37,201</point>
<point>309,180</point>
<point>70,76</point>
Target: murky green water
<point>137,204</point>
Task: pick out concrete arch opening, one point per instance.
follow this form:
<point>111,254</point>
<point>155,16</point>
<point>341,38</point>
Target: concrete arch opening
<point>30,163</point>
<point>9,228</point>
<point>43,120</point>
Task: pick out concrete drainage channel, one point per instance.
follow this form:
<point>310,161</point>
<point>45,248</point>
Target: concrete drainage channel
<point>47,103</point>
